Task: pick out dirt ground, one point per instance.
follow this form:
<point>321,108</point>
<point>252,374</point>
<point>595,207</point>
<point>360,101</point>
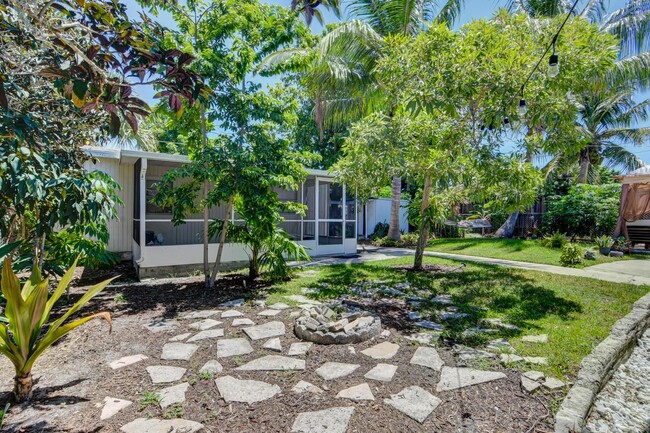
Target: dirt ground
<point>74,376</point>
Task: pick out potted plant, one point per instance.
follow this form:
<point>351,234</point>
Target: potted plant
<point>604,244</point>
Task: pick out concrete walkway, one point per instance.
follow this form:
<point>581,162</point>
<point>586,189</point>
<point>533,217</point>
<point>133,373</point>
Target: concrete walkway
<point>630,271</point>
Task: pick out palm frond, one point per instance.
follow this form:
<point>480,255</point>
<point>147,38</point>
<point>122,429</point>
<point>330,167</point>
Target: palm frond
<point>631,24</point>
<point>617,156</point>
<point>634,70</point>
<point>449,13</point>
<point>288,58</point>
<point>594,10</point>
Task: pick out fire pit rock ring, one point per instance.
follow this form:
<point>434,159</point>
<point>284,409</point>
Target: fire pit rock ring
<point>322,325</point>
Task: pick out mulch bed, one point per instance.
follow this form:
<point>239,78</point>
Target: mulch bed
<point>75,377</point>
<point>431,269</point>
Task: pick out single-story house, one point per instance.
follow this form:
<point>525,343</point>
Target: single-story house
<point>145,234</point>
<point>634,216</point>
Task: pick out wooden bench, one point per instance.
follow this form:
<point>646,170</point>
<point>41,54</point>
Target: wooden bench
<point>639,235</point>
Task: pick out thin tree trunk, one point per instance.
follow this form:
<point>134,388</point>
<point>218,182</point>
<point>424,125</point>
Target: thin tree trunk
<point>424,225</point>
<point>23,386</point>
<point>507,230</point>
<point>253,265</point>
<point>584,165</point>
<point>222,241</point>
<point>393,228</point>
<point>41,259</point>
<point>206,209</point>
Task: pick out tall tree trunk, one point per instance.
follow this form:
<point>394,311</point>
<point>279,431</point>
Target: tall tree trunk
<point>584,165</point>
<point>507,230</point>
<point>206,209</point>
<point>222,241</point>
<point>253,265</point>
<point>23,387</point>
<point>393,228</point>
<point>424,225</point>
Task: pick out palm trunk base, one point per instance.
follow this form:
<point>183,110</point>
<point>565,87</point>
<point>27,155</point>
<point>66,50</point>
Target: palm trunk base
<point>23,388</point>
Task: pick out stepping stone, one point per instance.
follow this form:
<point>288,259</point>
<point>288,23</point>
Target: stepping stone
<point>427,357</point>
<point>234,303</point>
<point>180,337</point>
<point>414,402</point>
<point>542,338</point>
<point>382,372</point>
<point>242,322</point>
<point>299,349</point>
<point>204,314</point>
<point>204,324</point>
<point>539,360</point>
<point>357,393</point>
<point>161,325</point>
<point>165,374</point>
<point>152,425</point>
<point>427,324</point>
<point>245,391</point>
<point>303,386</point>
<point>112,406</point>
<point>454,378</point>
<point>423,338</point>
<point>268,313</point>
<point>272,363</point>
<point>553,383</point>
<point>266,330</point>
<point>178,351</point>
<point>211,367</point>
<point>279,306</point>
<point>204,335</point>
<point>447,315</point>
<point>508,358</point>
<point>501,324</point>
<point>233,347</point>
<point>385,333</point>
<point>300,299</point>
<point>127,360</point>
<point>335,370</point>
<point>273,344</point>
<point>259,303</point>
<point>383,350</point>
<point>471,353</point>
<point>534,375</point>
<point>334,420</point>
<point>442,299</point>
<point>500,345</point>
<point>414,315</point>
<point>231,313</point>
<point>529,385</point>
<point>173,395</point>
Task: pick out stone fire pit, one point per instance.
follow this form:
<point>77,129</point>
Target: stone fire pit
<point>322,325</point>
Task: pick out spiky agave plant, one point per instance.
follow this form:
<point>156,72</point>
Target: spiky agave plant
<point>27,334</point>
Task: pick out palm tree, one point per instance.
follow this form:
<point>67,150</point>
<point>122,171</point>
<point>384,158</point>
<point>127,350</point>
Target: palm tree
<point>310,8</point>
<point>340,70</point>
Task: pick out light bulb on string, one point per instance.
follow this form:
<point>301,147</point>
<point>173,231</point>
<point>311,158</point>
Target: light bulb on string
<point>506,122</point>
<point>553,64</point>
<point>522,109</point>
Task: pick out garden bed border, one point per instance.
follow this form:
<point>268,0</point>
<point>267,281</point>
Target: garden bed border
<point>599,366</point>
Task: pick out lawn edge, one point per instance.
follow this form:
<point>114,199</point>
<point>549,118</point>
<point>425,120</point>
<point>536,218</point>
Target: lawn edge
<point>599,366</point>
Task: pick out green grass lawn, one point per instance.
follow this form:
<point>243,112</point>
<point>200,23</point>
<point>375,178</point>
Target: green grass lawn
<point>576,313</point>
<point>516,249</point>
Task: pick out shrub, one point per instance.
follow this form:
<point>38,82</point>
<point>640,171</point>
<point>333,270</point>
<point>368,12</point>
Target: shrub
<point>28,333</point>
<point>380,231</point>
<point>604,241</point>
<point>571,255</point>
<point>557,240</point>
<point>406,240</point>
<point>586,211</point>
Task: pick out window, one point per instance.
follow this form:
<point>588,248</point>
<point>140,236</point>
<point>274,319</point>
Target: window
<point>152,190</point>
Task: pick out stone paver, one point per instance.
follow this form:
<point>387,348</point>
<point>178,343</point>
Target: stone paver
<point>534,375</point>
<point>204,324</point>
<point>172,395</point>
<point>304,386</point>
<point>162,325</point>
<point>383,350</point>
<point>203,314</point>
<point>180,337</point>
<point>245,391</point>
<point>152,425</point>
<point>165,373</point>
<point>268,313</point>
<point>542,338</point>
<point>357,393</point>
<point>266,330</point>
<point>204,335</point>
<point>529,384</point>
<point>508,358</point>
<point>300,299</point>
<point>553,383</point>
<point>273,362</point>
<point>231,313</point>
<point>428,324</point>
<point>539,360</point>
<point>242,322</point>
<point>211,367</point>
<point>112,406</point>
<point>178,351</point>
<point>415,402</point>
<point>273,344</point>
<point>427,357</point>
<point>335,370</point>
<point>382,372</point>
<point>234,303</point>
<point>127,360</point>
<point>233,347</point>
<point>299,349</point>
<point>333,420</point>
<point>453,378</point>
<point>279,306</point>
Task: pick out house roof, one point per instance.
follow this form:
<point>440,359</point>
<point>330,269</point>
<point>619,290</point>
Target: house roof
<point>127,156</point>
